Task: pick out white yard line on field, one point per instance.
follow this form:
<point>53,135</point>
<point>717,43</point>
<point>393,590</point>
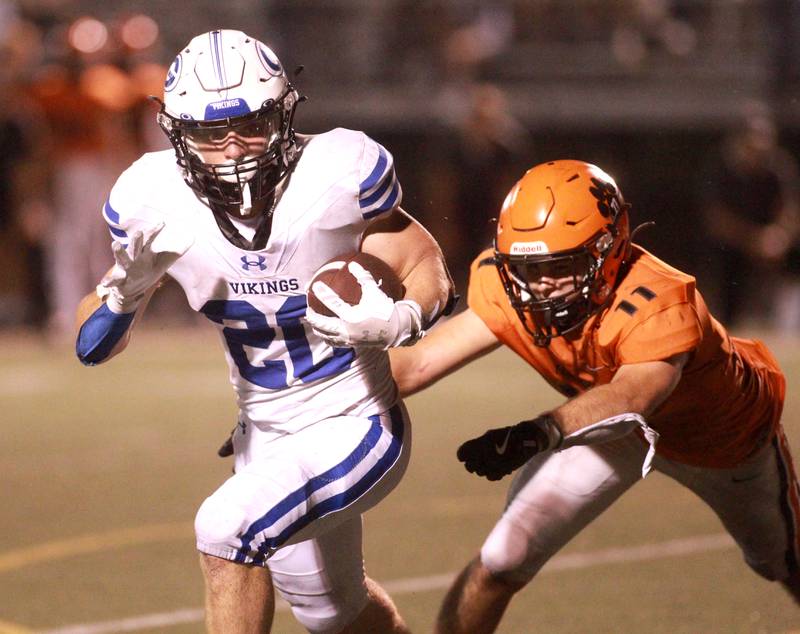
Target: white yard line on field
<point>644,552</point>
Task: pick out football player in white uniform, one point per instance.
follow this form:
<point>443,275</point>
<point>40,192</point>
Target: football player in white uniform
<point>322,434</point>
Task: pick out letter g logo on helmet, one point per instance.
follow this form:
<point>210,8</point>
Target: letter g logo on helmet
<point>173,74</point>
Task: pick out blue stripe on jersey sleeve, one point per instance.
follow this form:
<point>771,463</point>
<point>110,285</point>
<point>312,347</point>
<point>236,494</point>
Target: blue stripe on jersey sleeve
<point>386,182</point>
<point>111,215</point>
<point>380,191</point>
<point>117,233</point>
<point>386,205</point>
<point>112,219</point>
<point>375,175</point>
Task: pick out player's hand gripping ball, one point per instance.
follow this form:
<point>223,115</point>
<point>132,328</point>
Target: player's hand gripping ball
<point>336,275</point>
<point>357,300</point>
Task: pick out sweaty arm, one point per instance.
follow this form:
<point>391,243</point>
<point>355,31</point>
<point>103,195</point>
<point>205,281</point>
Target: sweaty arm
<point>377,320</point>
<point>598,415</point>
<point>406,246</point>
<point>638,388</point>
<point>106,316</point>
<point>102,333</point>
<point>445,349</point>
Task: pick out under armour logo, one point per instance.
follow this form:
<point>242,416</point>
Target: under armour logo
<point>259,262</point>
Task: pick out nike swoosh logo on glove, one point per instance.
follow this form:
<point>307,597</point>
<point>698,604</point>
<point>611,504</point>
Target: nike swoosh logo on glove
<point>501,448</point>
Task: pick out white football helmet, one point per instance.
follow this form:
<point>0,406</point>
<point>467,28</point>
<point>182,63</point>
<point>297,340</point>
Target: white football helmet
<point>226,81</point>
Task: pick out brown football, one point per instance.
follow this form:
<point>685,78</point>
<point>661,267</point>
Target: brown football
<point>336,275</point>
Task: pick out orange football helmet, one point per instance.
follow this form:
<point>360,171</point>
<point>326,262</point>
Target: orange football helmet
<point>563,220</point>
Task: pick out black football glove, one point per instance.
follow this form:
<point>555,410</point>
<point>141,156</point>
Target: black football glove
<point>500,451</point>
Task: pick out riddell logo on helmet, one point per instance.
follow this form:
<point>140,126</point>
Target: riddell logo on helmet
<point>529,248</point>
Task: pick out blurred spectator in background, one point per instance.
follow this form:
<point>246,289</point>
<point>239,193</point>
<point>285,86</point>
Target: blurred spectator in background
<point>478,157</point>
<point>481,146</point>
<point>750,204</point>
<point>24,211</point>
<point>643,28</point>
<point>93,101</point>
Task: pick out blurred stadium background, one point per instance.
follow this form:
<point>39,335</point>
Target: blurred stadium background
<point>99,486</point>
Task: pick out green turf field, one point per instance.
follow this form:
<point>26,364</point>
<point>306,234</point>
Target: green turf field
<point>103,469</point>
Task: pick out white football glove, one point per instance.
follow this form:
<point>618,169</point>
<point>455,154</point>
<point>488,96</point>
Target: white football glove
<point>376,321</point>
<point>139,266</point>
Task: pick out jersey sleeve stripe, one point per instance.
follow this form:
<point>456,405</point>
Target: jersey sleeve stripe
<point>375,175</point>
<point>389,203</point>
<point>117,233</point>
<point>111,215</point>
<point>644,292</point>
<point>387,181</point>
<point>112,219</point>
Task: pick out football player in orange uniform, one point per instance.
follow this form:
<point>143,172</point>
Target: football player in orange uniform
<point>629,340</point>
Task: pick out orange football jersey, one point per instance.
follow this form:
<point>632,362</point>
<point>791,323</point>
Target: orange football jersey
<point>729,399</point>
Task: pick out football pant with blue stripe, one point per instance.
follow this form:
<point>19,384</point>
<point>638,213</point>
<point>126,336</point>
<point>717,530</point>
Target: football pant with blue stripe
<point>299,486</point>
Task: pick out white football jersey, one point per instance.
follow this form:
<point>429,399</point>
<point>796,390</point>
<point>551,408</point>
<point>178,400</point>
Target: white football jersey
<point>285,377</point>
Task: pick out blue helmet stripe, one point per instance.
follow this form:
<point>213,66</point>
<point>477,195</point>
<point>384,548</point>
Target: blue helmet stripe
<point>216,56</point>
<point>222,70</point>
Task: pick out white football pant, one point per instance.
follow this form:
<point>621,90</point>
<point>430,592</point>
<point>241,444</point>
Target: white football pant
<point>555,495</point>
<point>295,504</point>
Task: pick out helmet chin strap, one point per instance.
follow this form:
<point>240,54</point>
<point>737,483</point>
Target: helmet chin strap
<point>263,209</point>
<point>247,201</point>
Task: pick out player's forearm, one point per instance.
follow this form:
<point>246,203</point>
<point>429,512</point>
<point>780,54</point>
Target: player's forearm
<point>409,369</point>
<point>101,334</point>
<point>636,388</point>
<point>448,347</point>
<point>429,284</point>
<point>602,401</point>
<point>415,256</point>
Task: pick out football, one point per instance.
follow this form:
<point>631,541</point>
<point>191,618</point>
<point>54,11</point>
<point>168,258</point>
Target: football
<point>337,276</point>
